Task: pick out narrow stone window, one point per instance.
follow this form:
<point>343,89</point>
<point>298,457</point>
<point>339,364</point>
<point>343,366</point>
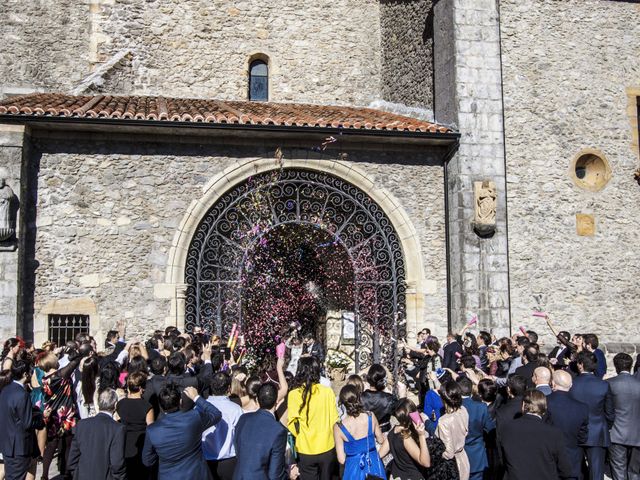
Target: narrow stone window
<point>258,81</point>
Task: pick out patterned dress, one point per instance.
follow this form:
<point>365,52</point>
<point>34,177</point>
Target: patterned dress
<point>59,406</point>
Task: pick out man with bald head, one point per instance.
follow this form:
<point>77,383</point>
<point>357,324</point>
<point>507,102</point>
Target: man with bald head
<point>570,416</point>
<point>542,380</point>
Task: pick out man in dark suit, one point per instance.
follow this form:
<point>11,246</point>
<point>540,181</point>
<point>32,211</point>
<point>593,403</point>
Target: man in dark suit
<point>542,380</point>
<point>625,434</point>
<point>261,457</point>
<point>97,449</point>
<point>561,354</point>
<point>175,440</point>
<point>313,348</point>
<point>530,360</point>
<point>17,422</point>
<point>570,416</point>
<point>532,449</point>
<point>480,423</point>
<point>516,386</point>
<point>449,350</point>
<point>591,343</point>
<point>596,394</point>
<point>177,374</point>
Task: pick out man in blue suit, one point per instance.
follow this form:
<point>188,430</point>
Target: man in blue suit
<point>596,394</point>
<point>480,422</point>
<point>17,424</point>
<point>175,440</point>
<point>261,441</point>
<point>570,416</point>
<point>591,343</point>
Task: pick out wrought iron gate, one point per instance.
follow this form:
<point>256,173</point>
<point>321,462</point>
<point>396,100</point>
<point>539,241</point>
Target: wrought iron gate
<point>218,252</point>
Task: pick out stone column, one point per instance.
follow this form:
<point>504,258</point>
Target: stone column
<point>12,138</point>
<point>468,93</point>
<point>181,303</point>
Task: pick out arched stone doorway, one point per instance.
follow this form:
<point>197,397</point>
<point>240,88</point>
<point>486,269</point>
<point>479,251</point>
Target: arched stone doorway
<point>310,209</point>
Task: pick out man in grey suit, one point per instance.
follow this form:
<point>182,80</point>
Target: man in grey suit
<point>97,449</point>
<point>625,433</point>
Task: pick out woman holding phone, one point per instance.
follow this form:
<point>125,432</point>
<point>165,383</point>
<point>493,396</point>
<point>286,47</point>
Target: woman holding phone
<point>408,444</point>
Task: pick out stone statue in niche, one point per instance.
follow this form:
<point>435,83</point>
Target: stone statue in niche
<point>7,211</point>
<point>486,204</point>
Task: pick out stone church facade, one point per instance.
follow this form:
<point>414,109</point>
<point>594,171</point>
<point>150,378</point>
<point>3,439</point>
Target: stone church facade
<point>498,141</point>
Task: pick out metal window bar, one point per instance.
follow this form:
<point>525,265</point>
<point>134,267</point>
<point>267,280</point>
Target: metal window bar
<point>63,328</point>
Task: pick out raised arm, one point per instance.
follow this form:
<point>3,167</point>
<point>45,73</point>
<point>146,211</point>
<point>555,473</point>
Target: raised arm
<point>283,388</point>
<point>67,370</point>
<point>418,452</point>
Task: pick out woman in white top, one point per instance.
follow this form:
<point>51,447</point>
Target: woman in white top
<point>453,427</point>
<point>294,344</point>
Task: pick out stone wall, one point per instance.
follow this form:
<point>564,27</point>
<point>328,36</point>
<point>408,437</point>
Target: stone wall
<point>44,45</point>
<point>567,66</point>
<point>468,93</point>
<point>108,212</point>
<point>320,52</point>
<point>406,35</point>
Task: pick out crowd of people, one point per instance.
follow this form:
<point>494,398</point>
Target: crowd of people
<point>182,405</point>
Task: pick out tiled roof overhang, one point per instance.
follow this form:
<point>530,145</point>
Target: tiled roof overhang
<point>158,111</point>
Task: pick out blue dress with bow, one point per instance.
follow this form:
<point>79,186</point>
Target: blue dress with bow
<point>362,456</point>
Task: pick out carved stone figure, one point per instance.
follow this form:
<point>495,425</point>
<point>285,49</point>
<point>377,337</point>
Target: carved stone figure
<point>7,222</point>
<point>486,204</point>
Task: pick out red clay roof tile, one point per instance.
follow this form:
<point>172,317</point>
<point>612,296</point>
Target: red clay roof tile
<point>164,109</point>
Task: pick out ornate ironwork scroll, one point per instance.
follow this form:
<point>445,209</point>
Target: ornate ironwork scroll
<point>218,252</point>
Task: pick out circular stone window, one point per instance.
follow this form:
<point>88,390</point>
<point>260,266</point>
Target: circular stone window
<point>590,170</point>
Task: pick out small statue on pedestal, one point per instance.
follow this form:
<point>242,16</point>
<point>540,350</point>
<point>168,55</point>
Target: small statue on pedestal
<point>7,215</point>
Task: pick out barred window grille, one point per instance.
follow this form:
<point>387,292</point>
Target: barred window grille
<point>63,328</point>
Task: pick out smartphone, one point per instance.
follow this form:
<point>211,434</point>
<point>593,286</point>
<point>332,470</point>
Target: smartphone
<point>416,418</point>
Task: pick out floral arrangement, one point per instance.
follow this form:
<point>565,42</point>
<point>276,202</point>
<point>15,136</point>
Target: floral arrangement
<point>338,360</point>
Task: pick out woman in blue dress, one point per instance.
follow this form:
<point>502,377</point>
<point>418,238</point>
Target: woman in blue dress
<point>356,437</point>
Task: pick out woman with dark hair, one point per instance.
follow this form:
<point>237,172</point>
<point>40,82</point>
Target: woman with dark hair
<point>499,357</point>
<point>356,381</point>
<point>135,414</point>
<point>355,438</point>
<point>376,400</point>
<point>86,387</point>
<point>470,347</point>
<point>454,426</point>
<point>407,443</point>
<point>312,413</point>
<point>10,352</point>
<point>109,378</point>
<point>250,400</point>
